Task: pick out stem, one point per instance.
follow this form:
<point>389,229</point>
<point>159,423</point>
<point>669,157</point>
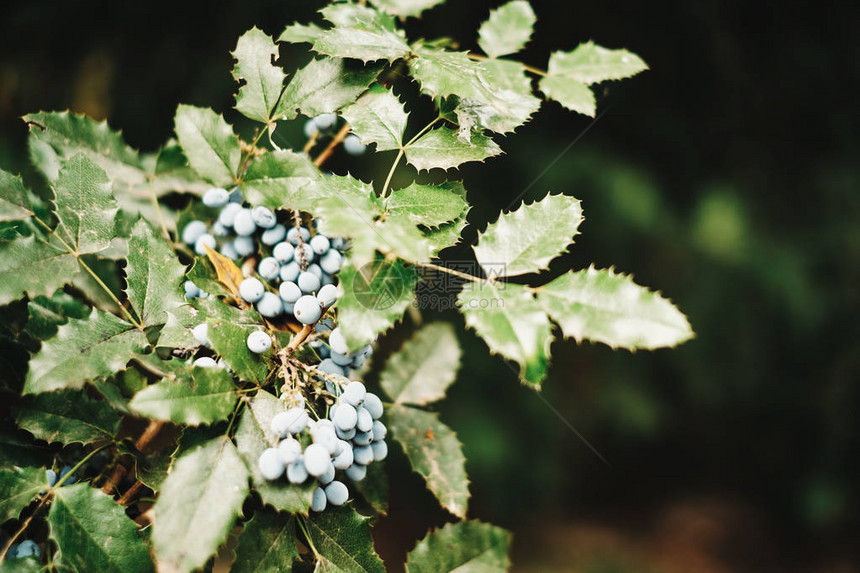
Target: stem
<point>246,160</point>
<point>303,526</point>
<point>158,212</point>
<point>327,152</point>
<point>453,272</point>
<point>126,497</point>
<point>391,172</point>
<point>23,527</point>
<point>536,71</point>
<point>81,463</point>
<point>234,415</point>
<point>424,130</point>
<point>148,434</point>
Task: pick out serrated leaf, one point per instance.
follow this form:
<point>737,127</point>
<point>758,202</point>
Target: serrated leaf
<point>512,323</point>
<point>176,332</point>
<point>230,341</point>
<point>84,349</point>
<point>153,275</point>
<point>198,505</point>
<point>378,117</point>
<point>209,143</point>
<point>508,29</point>
<point>300,33</point>
<point>374,488</point>
<point>435,454</point>
<point>18,487</point>
<point>84,205</point>
<point>228,273</point>
<point>467,547</point>
<point>324,86</point>
<point>606,307</point>
<point>362,33</point>
<point>263,81</point>
<point>31,266</point>
<point>22,565</point>
<point>253,435</point>
<point>372,299</point>
<point>343,537</point>
<point>68,417</point>
<point>404,8</point>
<point>118,390</point>
<point>527,239</point>
<point>267,543</point>
<point>46,314</point>
<point>14,199</point>
<point>94,534</point>
<point>279,180</point>
<point>424,367</point>
<point>429,205</point>
<point>443,149</point>
<point>591,64</point>
<point>445,236</point>
<point>208,396</point>
<point>571,93</point>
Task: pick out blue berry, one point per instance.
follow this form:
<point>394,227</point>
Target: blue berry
<point>328,476</point>
<point>201,334</point>
<point>27,548</point>
<point>236,195</point>
<point>311,128</point>
<point>345,458</point>
<point>220,230</point>
<point>363,455</point>
<point>292,421</point>
<point>318,501</point>
<point>309,283</point>
<point>228,214</point>
<point>315,270</point>
<point>259,342</point>
<point>283,251</point>
<point>191,290</point>
<point>271,464</point>
<point>380,451</point>
<point>331,261</point>
<point>290,271</point>
<point>244,224</point>
<point>304,252</point>
<point>290,292</point>
<point>356,472</point>
<point>274,235</point>
<point>192,231</point>
<point>51,476</point>
<point>229,251</point>
<point>317,459</point>
<point>296,471</point>
<point>263,217</point>
<point>216,197</point>
<point>251,289</point>
<point>324,435</point>
<point>354,394</point>
<point>373,404</point>
<point>362,438</point>
<point>307,309</point>
<point>344,417</point>
<point>337,342</point>
<point>329,367</point>
<point>203,241</point>
<point>336,493</point>
<point>345,434</point>
<point>379,431</point>
<point>342,360</point>
<point>364,423</point>
<point>327,295</point>
<point>353,145</point>
<point>294,234</point>
<point>290,450</point>
<point>320,244</point>
<point>269,268</point>
<point>205,362</point>
<point>244,245</point>
<point>325,120</point>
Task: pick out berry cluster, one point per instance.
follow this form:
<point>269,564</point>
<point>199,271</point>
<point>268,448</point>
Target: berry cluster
<point>324,125</point>
<point>348,440</point>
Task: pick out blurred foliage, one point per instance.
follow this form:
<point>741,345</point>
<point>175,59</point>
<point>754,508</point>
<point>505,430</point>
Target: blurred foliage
<point>726,177</point>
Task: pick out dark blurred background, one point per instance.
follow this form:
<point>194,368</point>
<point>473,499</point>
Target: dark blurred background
<point>727,177</point>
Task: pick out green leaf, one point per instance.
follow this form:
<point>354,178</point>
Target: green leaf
<point>404,8</point>
<point>372,299</point>
<point>378,117</point>
<point>46,314</point>
<point>508,29</point>
<point>198,505</point>
<point>254,435</point>
<point>527,239</point>
<point>230,341</point>
<point>205,398</point>
<point>445,236</point>
<point>263,81</point>
<point>14,199</point>
<point>68,416</point>
<point>30,266</point>
<point>429,205</point>
<point>209,143</point>
<point>468,546</point>
<point>442,148</point>
<point>19,487</point>
<point>434,453</point>
<point>84,349</point>
<point>94,533</point>
<point>153,275</point>
<point>300,33</point>
<point>572,94</point>
<point>591,64</point>
<point>118,390</point>
<point>84,205</point>
<point>22,565</point>
<point>343,538</point>
<point>512,323</point>
<point>267,543</point>
<point>424,367</point>
<point>177,330</point>
<point>279,180</point>
<point>324,86</point>
<point>374,488</point>
<point>361,33</point>
<point>606,307</point>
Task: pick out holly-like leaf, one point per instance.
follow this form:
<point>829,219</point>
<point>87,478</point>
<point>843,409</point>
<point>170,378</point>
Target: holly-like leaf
<point>442,148</point>
<point>372,298</point>
<point>508,29</point>
<point>267,543</point>
<point>31,266</point>
<point>343,538</point>
<point>279,180</point>
<point>324,86</point>
<point>68,417</point>
<point>18,487</point>
<point>46,314</point>
<point>84,349</point>
<point>153,275</point>
<point>361,33</point>
<point>591,64</point>
<point>14,199</point>
<point>464,546</point>
<point>378,117</point>
<point>606,307</point>
<point>404,8</point>
<point>209,143</point>
<point>429,205</point>
<point>374,488</point>
<point>176,332</point>
<point>263,81</point>
<point>84,205</point>
<point>230,341</point>
<point>569,92</point>
<point>424,367</point>
<point>527,239</point>
<point>300,33</point>
<point>198,504</point>
<point>446,235</point>
<point>94,533</point>
<point>512,323</point>
<point>208,396</point>
<point>434,452</point>
<point>254,435</point>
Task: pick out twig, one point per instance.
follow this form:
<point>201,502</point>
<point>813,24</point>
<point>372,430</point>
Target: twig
<point>23,528</point>
<point>338,139</point>
<point>126,497</point>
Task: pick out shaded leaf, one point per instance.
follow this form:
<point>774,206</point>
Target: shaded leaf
<point>209,143</point>
<point>429,205</point>
<point>590,64</point>
<point>468,546</point>
<point>378,117</point>
<point>208,396</point>
<point>300,33</point>
<point>421,371</point>
<point>230,341</point>
<point>153,275</point>
<point>84,205</point>
<point>374,488</point>
<point>263,81</point>
<point>343,537</point>
<point>31,266</point>
<point>279,180</point>
<point>445,236</point>
<point>46,314</point>
<point>442,148</point>
<point>67,416</point>
<point>14,199</point>
<point>325,85</point>
<point>508,29</point>
<point>19,487</point>
<point>267,543</point>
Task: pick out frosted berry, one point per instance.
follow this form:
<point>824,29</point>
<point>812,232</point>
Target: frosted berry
<point>259,342</point>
